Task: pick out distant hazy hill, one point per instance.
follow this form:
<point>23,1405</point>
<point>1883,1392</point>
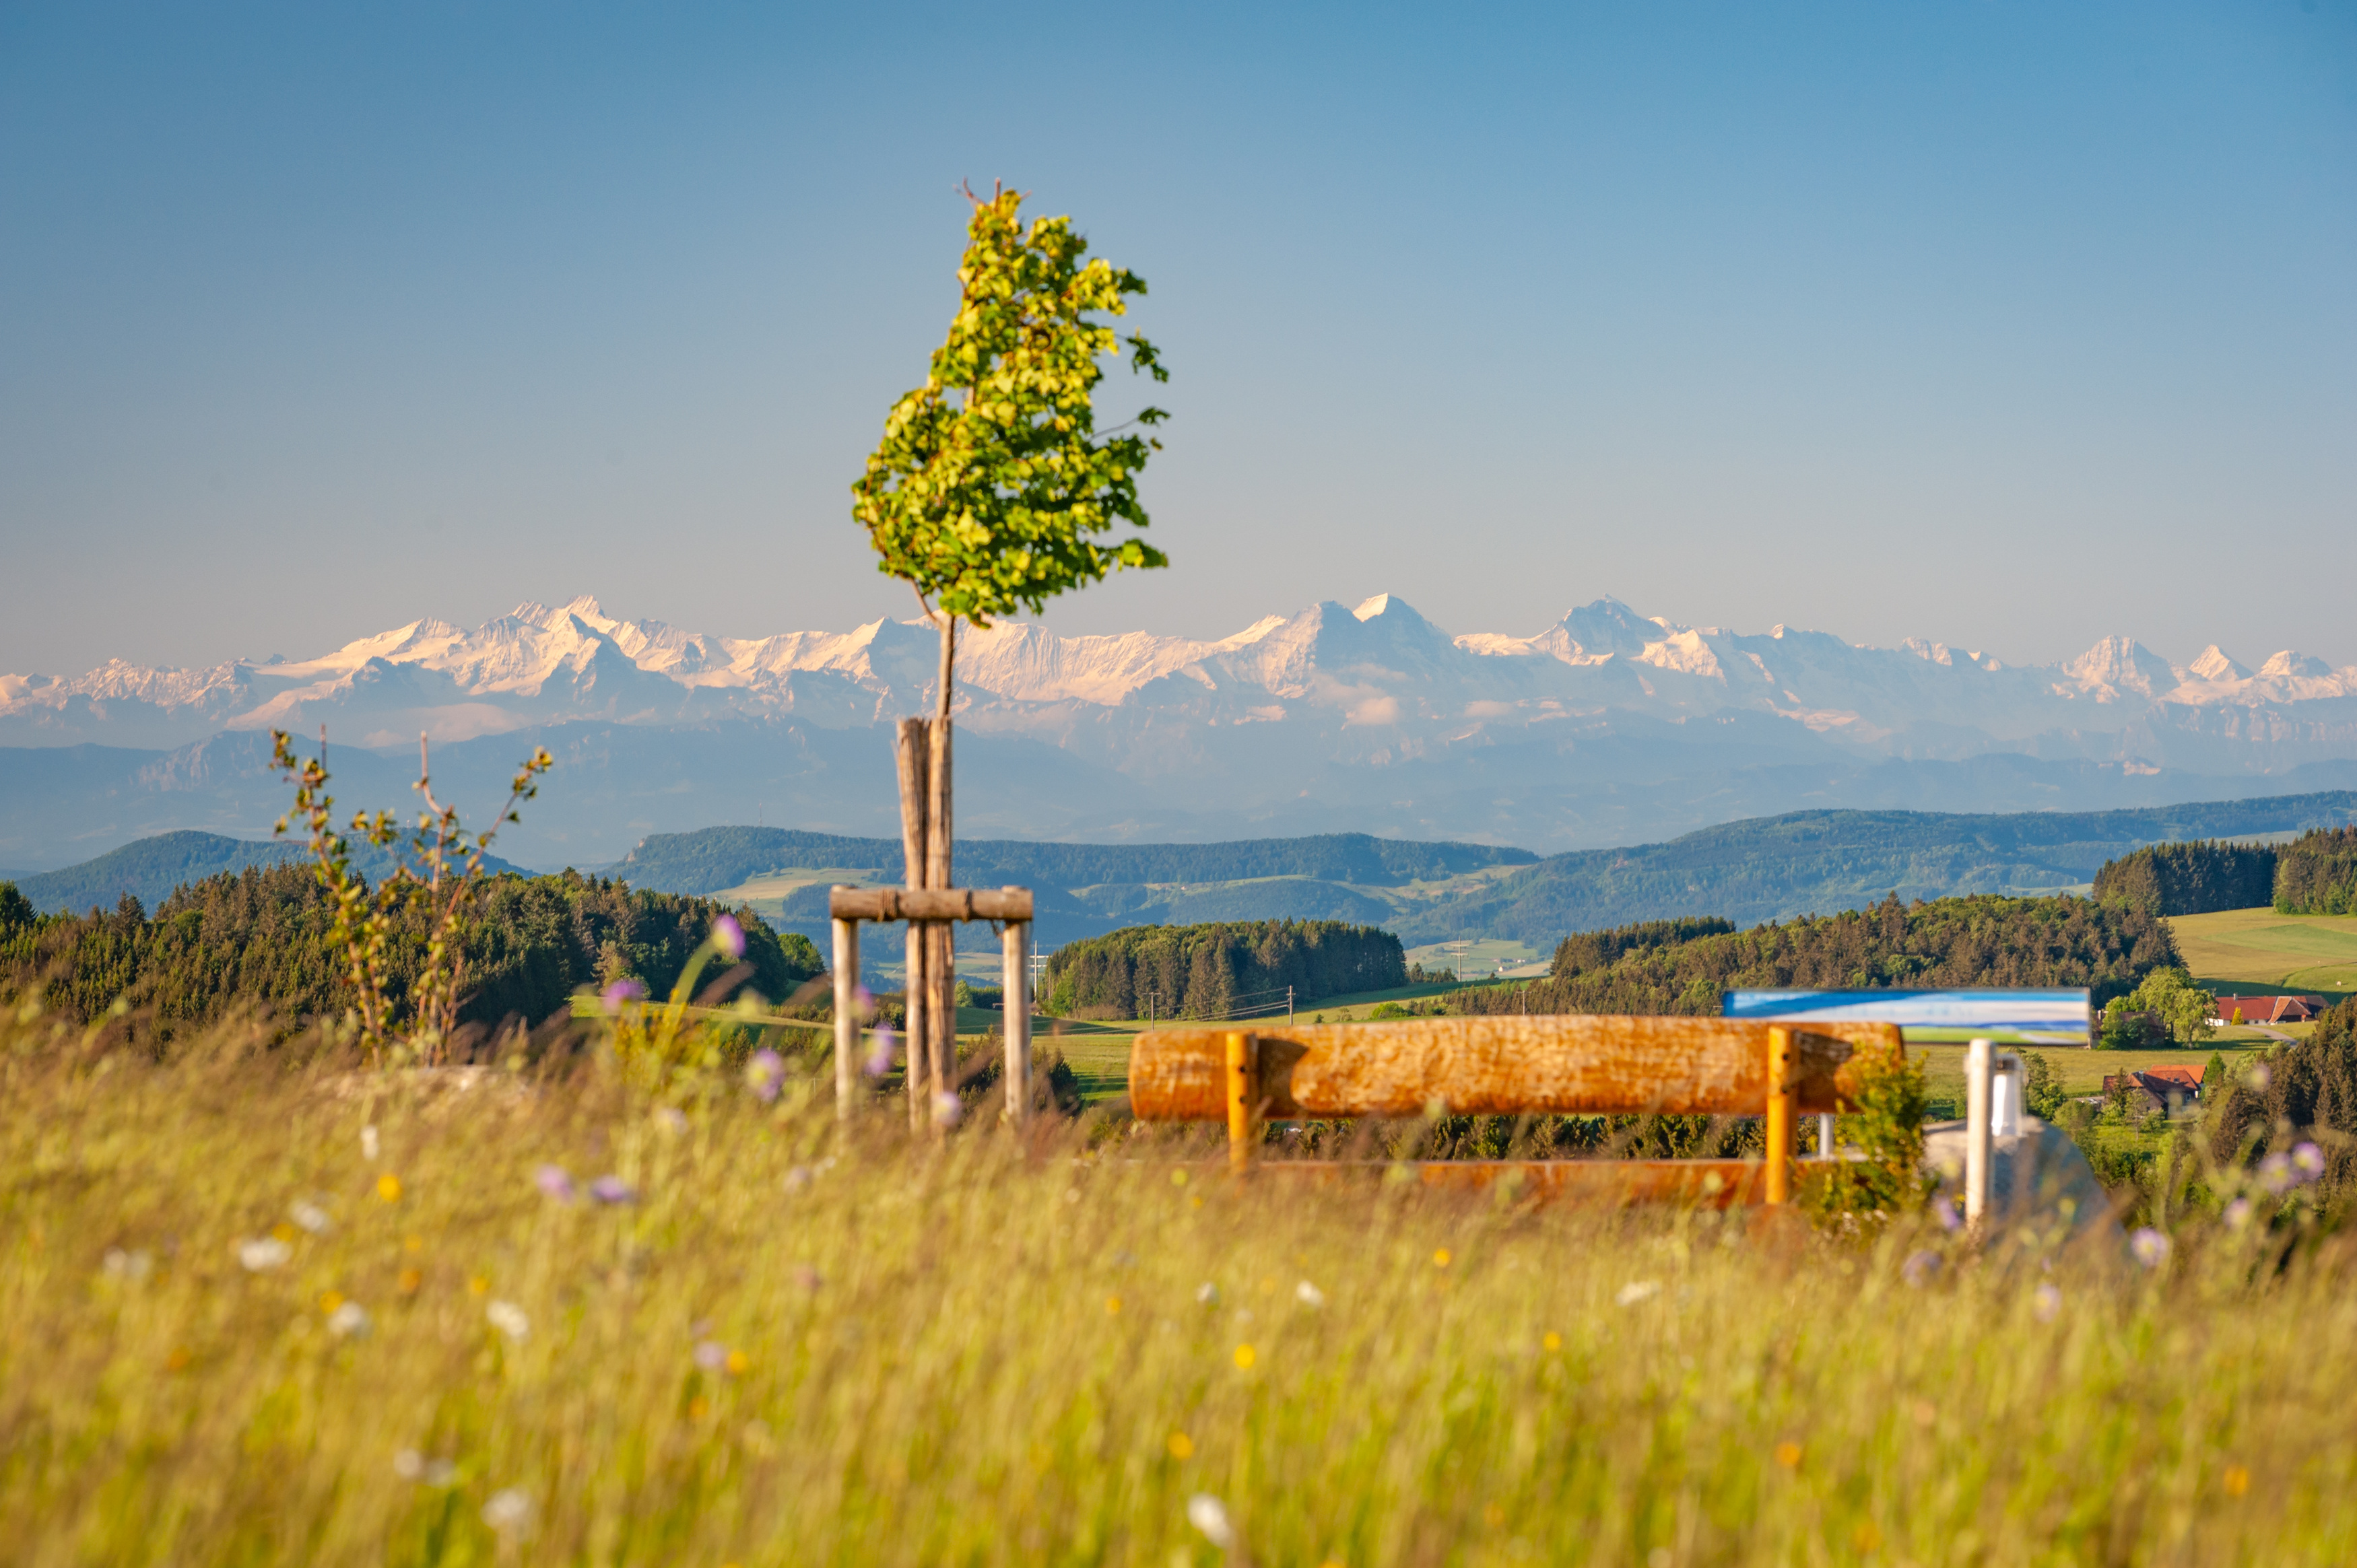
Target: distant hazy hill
<point>1084,889</point>
<point>716,858</point>
<point>149,868</point>
<point>1773,868</point>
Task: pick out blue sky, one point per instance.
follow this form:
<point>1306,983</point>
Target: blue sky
<point>2006,324</point>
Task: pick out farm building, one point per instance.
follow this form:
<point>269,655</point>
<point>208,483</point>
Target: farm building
<point>2268,1009</point>
<point>2156,1088</point>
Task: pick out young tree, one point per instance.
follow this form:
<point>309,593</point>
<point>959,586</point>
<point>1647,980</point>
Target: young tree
<point>993,491</point>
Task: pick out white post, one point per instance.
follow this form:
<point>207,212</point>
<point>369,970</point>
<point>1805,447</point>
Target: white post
<point>2005,1096</point>
<point>1976,1130</point>
<point>1014,997</point>
<point>1824,1134</point>
<point>846,1019</point>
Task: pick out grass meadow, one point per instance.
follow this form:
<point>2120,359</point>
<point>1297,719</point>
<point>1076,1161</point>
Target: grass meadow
<point>2261,950</point>
<point>260,1310</point>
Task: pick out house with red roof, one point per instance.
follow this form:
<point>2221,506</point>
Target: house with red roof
<point>2268,1009</point>
<point>2158,1088</point>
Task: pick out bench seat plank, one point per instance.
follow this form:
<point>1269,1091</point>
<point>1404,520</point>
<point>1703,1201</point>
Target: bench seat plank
<point>1579,1064</point>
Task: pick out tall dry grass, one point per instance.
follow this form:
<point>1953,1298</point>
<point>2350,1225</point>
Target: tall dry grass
<point>239,1328</point>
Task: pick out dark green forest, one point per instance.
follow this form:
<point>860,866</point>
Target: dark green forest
<point>1947,942</point>
<point>2315,874</point>
<point>1216,970</point>
<point>2195,878</point>
<point>259,937</point>
<point>1584,951</point>
<point>2309,1086</point>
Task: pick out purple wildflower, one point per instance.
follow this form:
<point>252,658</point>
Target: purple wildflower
<point>1920,1268</point>
<point>728,936</point>
<point>623,989</point>
<point>948,1110</point>
<point>712,1355</point>
<point>766,1072</point>
<point>2308,1160</point>
<point>879,1053</point>
<point>866,1000</point>
<point>611,1189</point>
<point>1945,1207</point>
<point>554,1181</point>
<point>2150,1247</point>
<point>2275,1173</point>
<point>2238,1213</point>
<point>2047,1302</point>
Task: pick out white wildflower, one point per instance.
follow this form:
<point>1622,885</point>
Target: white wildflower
<point>1207,1514</point>
<point>1636,1291</point>
<point>121,1266</point>
<point>1309,1295</point>
<point>368,1142</point>
<point>509,1511</point>
<point>267,1252</point>
<point>349,1321</point>
<point>310,1215</point>
<point>509,1319</point>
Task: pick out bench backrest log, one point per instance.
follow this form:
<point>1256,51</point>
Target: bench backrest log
<point>1506,1065</point>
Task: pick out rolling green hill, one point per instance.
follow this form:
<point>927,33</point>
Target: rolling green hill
<point>150,868</point>
<point>1775,868</point>
<point>714,858</point>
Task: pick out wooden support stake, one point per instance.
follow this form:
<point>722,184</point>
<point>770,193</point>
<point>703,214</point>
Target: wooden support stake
<point>1243,1101</point>
<point>914,757</point>
<point>1013,995</point>
<point>1781,1106</point>
<point>941,959</point>
<point>846,1019</point>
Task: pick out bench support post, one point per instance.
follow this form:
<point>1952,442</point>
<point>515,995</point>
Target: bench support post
<point>1243,1101</point>
<point>1780,1107</point>
<point>846,1019</point>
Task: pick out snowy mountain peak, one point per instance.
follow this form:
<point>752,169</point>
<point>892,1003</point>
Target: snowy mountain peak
<point>2292,665</point>
<point>2213,665</point>
<point>2118,665</point>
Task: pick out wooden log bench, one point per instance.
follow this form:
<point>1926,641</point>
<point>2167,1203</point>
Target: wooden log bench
<point>1514,1066</point>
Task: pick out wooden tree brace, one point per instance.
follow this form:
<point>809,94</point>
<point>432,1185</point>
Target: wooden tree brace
<point>929,903</point>
<point>930,909</point>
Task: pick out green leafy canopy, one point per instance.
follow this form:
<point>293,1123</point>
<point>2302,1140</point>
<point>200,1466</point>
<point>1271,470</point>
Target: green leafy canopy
<point>992,490</point>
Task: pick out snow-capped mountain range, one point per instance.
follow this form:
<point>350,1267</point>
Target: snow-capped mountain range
<point>1381,672</point>
<point>1370,718</point>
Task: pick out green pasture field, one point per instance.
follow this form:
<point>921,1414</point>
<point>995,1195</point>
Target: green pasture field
<point>1480,958</point>
<point>269,1306</point>
<point>2260,949</point>
<point>767,892</point>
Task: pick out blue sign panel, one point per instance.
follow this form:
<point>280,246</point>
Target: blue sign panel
<point>2012,1017</point>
